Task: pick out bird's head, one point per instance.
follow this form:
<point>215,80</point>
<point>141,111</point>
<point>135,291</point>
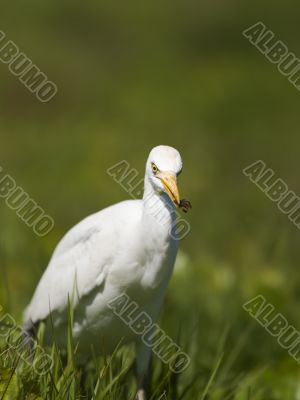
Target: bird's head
<point>163,166</point>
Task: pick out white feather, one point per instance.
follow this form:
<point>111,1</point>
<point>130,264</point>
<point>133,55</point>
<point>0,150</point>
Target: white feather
<point>123,248</point>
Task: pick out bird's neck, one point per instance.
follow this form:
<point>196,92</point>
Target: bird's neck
<point>159,211</point>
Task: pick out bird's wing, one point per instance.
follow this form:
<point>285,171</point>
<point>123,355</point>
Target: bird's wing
<point>82,260</point>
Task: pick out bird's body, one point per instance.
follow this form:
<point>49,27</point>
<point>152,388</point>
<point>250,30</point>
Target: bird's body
<point>94,264</point>
<point>126,248</point>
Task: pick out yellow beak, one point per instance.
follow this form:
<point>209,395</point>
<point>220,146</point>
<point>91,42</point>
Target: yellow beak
<point>169,181</point>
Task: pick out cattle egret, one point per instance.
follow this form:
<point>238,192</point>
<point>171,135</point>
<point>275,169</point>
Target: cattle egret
<point>129,248</point>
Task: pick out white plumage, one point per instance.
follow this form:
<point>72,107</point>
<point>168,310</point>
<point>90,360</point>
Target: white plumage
<point>126,248</point>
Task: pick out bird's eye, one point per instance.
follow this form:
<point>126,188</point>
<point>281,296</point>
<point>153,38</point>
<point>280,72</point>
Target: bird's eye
<point>154,168</point>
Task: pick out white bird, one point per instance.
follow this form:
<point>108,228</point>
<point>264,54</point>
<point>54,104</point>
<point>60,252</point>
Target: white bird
<point>129,248</point>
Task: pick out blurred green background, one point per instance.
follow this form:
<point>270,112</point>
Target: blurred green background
<point>134,75</point>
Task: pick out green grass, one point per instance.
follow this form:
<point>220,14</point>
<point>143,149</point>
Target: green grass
<point>108,378</point>
<point>130,77</point>
<point>232,357</point>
